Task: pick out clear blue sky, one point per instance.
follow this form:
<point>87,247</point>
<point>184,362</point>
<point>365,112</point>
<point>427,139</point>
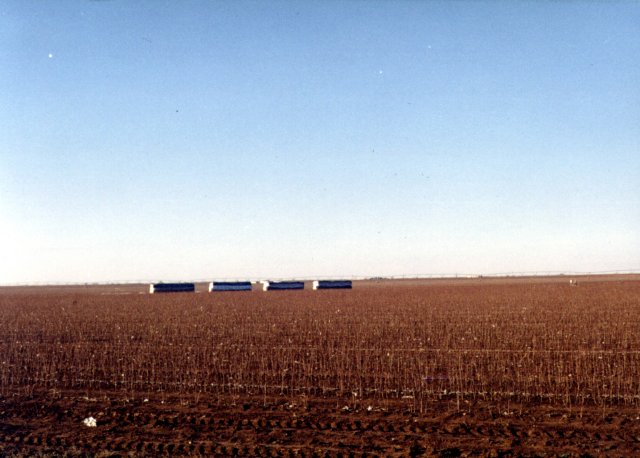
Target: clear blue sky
<point>193,140</point>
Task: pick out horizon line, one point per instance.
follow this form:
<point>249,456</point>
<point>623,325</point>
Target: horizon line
<point>255,279</point>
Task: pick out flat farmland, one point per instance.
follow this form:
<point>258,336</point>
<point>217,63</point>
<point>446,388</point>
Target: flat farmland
<point>469,367</point>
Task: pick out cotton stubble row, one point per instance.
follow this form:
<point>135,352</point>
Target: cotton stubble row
<point>540,342</point>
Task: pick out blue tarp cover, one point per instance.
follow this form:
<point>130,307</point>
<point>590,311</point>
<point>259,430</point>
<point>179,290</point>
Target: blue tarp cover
<point>286,285</point>
<point>334,284</point>
<point>173,287</point>
<point>231,286</point>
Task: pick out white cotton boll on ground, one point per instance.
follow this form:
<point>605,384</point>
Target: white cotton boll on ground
<point>90,422</point>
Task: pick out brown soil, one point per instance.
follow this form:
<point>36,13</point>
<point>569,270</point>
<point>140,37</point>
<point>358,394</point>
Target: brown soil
<point>46,419</point>
<point>52,422</point>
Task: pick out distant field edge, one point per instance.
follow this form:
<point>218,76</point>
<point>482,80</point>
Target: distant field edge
<point>140,287</point>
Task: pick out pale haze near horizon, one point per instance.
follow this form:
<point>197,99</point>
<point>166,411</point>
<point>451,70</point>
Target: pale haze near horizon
<point>195,140</point>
